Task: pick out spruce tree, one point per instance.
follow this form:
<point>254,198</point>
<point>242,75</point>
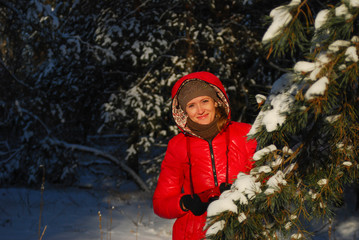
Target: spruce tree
<point>307,129</point>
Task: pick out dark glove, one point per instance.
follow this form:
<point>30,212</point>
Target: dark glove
<point>224,186</point>
<point>194,204</point>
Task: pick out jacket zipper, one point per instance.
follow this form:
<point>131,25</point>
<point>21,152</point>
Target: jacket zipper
<point>213,163</point>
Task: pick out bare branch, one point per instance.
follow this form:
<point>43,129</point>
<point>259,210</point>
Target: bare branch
<point>13,75</point>
<point>20,109</point>
<point>278,68</point>
<point>97,152</point>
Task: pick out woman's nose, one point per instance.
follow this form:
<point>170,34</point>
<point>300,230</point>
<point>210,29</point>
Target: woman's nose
<point>200,109</point>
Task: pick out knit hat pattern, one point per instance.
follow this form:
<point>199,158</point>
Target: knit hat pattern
<point>195,88</point>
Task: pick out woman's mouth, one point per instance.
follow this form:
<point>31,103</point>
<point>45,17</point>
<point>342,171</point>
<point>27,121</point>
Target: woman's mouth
<point>202,117</point>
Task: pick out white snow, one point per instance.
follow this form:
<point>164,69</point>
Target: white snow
<point>241,217</point>
<point>317,89</point>
<point>264,169</point>
<point>321,18</point>
<point>313,67</point>
<point>215,228</point>
<point>335,46</point>
<point>296,236</point>
<point>280,100</point>
<point>235,196</point>
<point>264,151</point>
<point>354,3</point>
<point>287,150</point>
<point>147,52</point>
<point>72,213</point>
<point>322,182</point>
<point>347,163</point>
<point>342,10</point>
<point>351,54</point>
<point>355,39</point>
<point>221,205</point>
<point>247,185</point>
<point>274,182</point>
<point>288,225</point>
<point>332,118</point>
<point>275,117</point>
<point>281,18</point>
<point>278,161</point>
<point>260,98</point>
<point>304,66</point>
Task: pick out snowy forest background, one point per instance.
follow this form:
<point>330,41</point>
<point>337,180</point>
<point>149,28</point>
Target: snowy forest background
<point>80,76</point>
<point>85,96</point>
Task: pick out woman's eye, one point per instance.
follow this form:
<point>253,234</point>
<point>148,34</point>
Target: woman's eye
<point>190,106</point>
<point>205,101</point>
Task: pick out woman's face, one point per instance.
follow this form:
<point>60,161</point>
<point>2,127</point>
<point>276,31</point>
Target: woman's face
<point>201,109</point>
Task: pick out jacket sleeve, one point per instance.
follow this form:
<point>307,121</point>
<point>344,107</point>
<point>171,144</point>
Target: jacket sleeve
<point>167,195</point>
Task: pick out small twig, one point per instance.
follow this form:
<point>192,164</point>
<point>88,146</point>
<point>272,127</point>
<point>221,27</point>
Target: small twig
<point>109,223</point>
<point>42,201</point>
<point>43,232</point>
<point>111,220</point>
<point>132,12</point>
<point>126,215</point>
<point>139,219</point>
<point>278,67</point>
<point>100,224</point>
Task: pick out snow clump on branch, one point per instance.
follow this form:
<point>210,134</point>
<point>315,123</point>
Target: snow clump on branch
<point>281,18</point>
<point>279,104</point>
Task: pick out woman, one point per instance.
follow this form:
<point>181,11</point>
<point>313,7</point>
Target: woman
<point>202,160</point>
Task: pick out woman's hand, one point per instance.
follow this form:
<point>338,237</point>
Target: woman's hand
<point>193,204</point>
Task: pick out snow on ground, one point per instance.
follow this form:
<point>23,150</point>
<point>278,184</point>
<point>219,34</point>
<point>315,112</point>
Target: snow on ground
<point>73,214</point>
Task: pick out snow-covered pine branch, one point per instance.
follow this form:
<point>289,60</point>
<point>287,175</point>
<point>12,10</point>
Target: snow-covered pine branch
<point>307,133</point>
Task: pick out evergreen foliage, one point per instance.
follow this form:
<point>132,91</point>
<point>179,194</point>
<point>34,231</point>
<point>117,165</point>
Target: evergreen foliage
<point>307,130</point>
<point>92,73</point>
<point>53,80</point>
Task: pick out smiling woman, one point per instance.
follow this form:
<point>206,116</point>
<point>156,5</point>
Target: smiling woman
<point>203,160</point>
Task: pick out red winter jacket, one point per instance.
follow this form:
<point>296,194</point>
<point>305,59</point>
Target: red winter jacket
<point>210,163</point>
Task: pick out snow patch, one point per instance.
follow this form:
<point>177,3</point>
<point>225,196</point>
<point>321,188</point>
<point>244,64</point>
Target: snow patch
<point>322,182</point>
<point>335,46</point>
<point>354,3</point>
<point>274,182</point>
<point>351,54</point>
<point>264,151</point>
<point>216,227</point>
<point>317,89</point>
<point>281,18</point>
<point>221,205</point>
<point>321,18</point>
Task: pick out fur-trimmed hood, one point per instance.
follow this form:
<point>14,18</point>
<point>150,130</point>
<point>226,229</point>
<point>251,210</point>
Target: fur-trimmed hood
<point>179,116</point>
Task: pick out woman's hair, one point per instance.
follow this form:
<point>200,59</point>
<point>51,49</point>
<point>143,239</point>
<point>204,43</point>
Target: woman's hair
<point>222,117</point>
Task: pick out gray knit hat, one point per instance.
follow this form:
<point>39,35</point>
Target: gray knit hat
<point>193,89</point>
